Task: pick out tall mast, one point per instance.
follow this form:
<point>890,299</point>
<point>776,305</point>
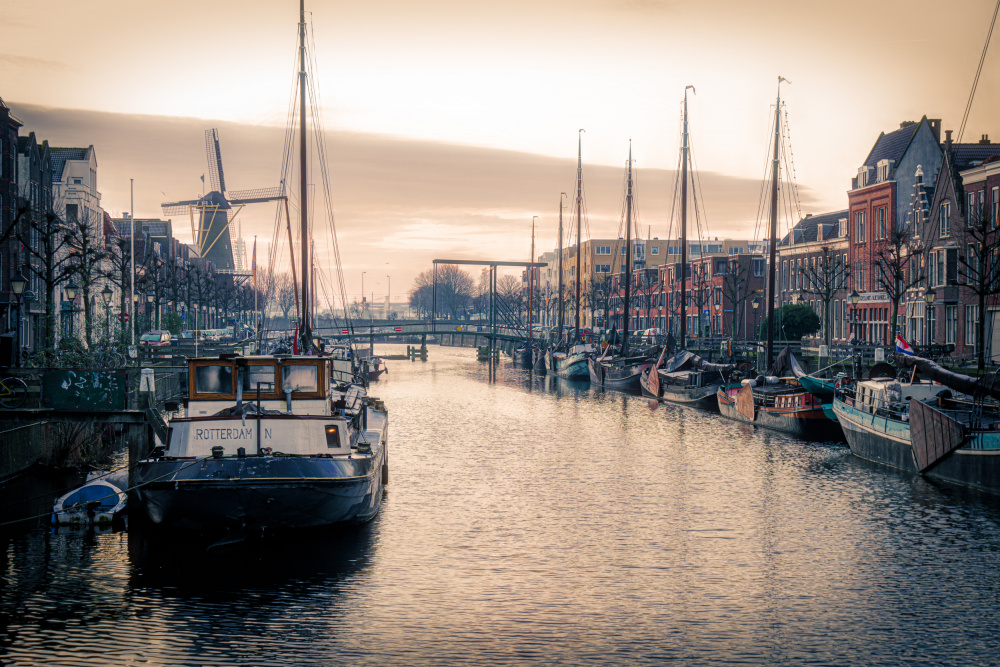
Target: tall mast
<point>559,335</point>
<point>306,333</point>
<point>684,230</point>
<point>772,248</point>
<point>628,254</point>
<point>531,278</point>
<point>579,240</point>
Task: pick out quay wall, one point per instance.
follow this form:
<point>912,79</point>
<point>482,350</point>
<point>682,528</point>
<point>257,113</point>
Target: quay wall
<point>21,446</point>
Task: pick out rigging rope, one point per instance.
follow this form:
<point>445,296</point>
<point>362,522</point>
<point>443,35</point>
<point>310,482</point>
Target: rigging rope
<point>979,70</point>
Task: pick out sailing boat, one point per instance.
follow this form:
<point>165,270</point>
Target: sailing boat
<point>276,441</point>
<point>685,378</point>
<point>569,358</point>
<point>773,401</point>
<point>524,357</point>
<point>621,372</point>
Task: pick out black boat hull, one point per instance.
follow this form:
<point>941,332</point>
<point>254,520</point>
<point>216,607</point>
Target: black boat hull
<point>703,398</point>
<point>618,378</point>
<point>260,492</point>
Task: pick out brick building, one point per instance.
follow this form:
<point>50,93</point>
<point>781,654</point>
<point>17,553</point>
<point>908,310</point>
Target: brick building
<point>878,202</point>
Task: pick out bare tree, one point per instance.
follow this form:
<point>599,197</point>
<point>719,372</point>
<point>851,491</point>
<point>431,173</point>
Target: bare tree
<point>979,267</point>
<point>45,239</point>
<point>284,289</point>
<point>454,288</point>
<point>735,288</point>
<point>892,274</point>
<point>825,279</point>
<point>510,290</point>
<point>87,255</point>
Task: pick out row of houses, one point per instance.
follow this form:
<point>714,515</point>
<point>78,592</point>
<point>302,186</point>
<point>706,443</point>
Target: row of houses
<point>51,217</point>
<point>913,251</point>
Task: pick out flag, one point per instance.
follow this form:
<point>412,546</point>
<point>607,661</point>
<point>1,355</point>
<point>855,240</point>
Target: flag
<point>253,262</point>
<point>902,346</point>
<point>203,179</point>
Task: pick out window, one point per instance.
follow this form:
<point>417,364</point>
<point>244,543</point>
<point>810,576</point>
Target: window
<point>602,250</point>
<point>950,324</point>
<point>673,250</point>
<point>971,324</point>
<point>623,250</point>
<point>213,379</point>
<point>713,248</point>
<point>253,375</point>
<point>973,209</point>
<point>654,250</point>
<point>602,268</point>
<point>299,378</point>
<point>931,324</point>
<point>640,250</point>
<point>944,224</point>
<point>859,226</point>
<point>995,201</point>
<point>695,248</point>
<point>880,217</point>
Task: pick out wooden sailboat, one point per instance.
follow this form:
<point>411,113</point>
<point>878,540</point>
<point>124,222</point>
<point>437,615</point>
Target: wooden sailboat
<point>525,357</point>
<point>772,401</point>
<point>621,371</point>
<point>271,442</point>
<point>685,378</point>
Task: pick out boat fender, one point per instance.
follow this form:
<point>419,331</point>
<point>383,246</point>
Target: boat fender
<point>748,383</point>
<point>759,380</point>
<point>773,379</point>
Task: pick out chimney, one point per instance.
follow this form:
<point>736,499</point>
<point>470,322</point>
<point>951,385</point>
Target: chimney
<point>985,139</point>
<point>935,124</point>
<point>947,140</point>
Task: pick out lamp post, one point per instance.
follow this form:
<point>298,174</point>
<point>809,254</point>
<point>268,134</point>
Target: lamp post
<point>718,319</point>
<point>388,295</point>
<point>363,291</point>
<point>17,285</point>
<point>106,295</point>
<point>756,305</point>
<point>150,298</point>
<point>929,297</point>
<point>70,291</point>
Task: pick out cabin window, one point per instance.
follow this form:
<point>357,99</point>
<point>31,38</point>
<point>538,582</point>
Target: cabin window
<point>254,375</point>
<point>299,378</point>
<point>215,379</point>
<point>332,434</point>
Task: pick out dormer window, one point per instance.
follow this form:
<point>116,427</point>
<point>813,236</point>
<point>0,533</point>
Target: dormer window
<point>884,170</point>
<point>862,177</point>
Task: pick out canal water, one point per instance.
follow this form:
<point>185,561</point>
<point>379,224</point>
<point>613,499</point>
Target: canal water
<point>534,520</point>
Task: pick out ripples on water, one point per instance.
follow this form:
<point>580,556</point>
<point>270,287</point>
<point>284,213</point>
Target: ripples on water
<point>536,520</point>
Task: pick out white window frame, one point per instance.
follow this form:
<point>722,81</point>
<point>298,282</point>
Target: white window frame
<point>944,220</point>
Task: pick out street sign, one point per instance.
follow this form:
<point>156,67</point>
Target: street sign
<point>398,329</point>
<point>343,331</point>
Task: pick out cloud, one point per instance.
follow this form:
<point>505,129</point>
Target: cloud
<point>9,61</point>
<point>399,203</point>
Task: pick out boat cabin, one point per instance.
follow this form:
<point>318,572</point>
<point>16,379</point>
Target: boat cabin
<point>292,384</point>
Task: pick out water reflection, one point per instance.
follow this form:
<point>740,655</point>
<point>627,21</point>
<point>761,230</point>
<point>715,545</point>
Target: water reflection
<point>536,520</point>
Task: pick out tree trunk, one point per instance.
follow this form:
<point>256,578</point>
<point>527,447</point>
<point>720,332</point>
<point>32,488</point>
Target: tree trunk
<point>981,334</point>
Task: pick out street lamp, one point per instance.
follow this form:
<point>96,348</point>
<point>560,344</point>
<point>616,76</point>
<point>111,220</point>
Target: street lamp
<point>106,295</point>
<point>718,319</point>
<point>17,285</point>
<point>929,297</point>
<point>70,292</point>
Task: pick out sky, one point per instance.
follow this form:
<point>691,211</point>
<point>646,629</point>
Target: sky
<point>451,123</point>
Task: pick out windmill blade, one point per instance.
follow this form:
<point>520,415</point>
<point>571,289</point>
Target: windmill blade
<point>214,153</point>
<point>255,195</point>
<point>179,207</point>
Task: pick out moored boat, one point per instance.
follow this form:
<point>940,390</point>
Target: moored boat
<point>686,379</point>
<point>268,443</point>
<point>926,427</point>
<point>777,403</point>
<point>570,363</point>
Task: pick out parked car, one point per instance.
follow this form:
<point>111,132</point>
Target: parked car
<point>185,335</point>
<point>155,339</point>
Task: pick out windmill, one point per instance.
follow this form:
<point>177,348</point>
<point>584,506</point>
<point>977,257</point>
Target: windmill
<point>217,209</point>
